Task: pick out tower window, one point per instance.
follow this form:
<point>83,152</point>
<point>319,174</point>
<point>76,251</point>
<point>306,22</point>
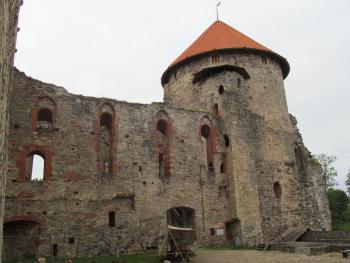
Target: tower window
<point>54,250</point>
<point>277,190</point>
<point>71,240</point>
<point>226,140</point>
<point>44,120</point>
<point>215,59</point>
<point>111,219</point>
<point>222,168</point>
<point>162,126</point>
<point>238,82</point>
<point>221,89</point>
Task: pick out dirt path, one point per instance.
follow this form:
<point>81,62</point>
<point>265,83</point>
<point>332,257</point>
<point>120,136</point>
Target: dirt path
<point>253,256</point>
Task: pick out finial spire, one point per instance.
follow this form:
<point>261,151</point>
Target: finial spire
<point>217,10</point>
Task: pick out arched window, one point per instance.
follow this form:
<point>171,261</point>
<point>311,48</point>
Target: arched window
<point>205,131</point>
<point>35,167</point>
<point>221,89</point>
<point>277,189</point>
<point>162,126</point>
<point>44,119</point>
<point>106,142</point>
<point>106,121</point>
<point>226,140</point>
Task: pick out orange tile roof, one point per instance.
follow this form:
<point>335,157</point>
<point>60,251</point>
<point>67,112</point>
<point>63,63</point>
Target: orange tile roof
<point>220,36</point>
<point>217,37</point>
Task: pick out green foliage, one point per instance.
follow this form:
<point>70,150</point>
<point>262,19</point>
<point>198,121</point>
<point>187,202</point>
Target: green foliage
<point>341,227</point>
<point>345,216</point>
<point>328,171</point>
<point>338,203</point>
<point>347,182</point>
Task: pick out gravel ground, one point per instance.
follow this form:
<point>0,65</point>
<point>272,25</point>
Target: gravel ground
<point>253,256</point>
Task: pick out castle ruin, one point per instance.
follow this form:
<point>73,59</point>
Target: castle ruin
<point>221,154</point>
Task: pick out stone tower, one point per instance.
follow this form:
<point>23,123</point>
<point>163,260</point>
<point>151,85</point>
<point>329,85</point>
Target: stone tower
<point>241,83</point>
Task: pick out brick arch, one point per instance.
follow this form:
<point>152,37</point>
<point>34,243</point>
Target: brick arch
<point>27,218</point>
<point>36,109</point>
<point>35,149</point>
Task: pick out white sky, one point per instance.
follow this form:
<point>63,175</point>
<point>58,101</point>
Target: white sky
<point>119,49</point>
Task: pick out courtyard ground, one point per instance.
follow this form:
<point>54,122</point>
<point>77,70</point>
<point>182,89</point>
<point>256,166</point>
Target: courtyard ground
<point>253,256</point>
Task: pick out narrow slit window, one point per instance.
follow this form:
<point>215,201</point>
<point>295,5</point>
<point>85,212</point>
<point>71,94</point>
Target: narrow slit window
<point>221,90</point>
<point>111,219</point>
<point>226,140</point>
<point>216,109</point>
<point>238,82</point>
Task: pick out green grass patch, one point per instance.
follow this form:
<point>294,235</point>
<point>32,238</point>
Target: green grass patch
<point>341,227</point>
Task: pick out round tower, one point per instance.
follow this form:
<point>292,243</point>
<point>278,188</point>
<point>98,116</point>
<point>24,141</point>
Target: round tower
<point>240,83</point>
<point>223,60</point>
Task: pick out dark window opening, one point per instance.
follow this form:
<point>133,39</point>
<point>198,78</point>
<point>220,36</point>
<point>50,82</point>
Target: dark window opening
<point>71,240</point>
<point>161,164</point>
<point>205,131</point>
<point>226,140</point>
<point>175,74</point>
<point>111,219</point>
<point>221,89</point>
<point>35,167</point>
<point>222,168</point>
<point>216,109</point>
<point>162,126</point>
<point>54,250</point>
<point>106,120</point>
<point>238,82</point>
<point>277,189</point>
<point>44,120</point>
<point>212,231</point>
<point>215,59</point>
<point>210,167</point>
<point>264,60</point>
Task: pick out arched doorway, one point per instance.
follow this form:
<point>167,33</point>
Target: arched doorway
<point>21,238</point>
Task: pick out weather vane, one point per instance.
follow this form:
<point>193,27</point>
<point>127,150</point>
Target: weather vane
<point>217,10</point>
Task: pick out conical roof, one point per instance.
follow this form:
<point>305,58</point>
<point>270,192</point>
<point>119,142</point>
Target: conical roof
<point>220,36</point>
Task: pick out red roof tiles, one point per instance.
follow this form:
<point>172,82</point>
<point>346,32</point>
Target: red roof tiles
<point>217,37</point>
<point>220,36</point>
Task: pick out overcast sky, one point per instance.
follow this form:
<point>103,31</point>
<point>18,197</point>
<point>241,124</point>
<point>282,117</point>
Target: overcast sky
<point>119,49</point>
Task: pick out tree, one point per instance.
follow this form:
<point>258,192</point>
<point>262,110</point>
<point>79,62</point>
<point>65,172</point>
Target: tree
<point>328,171</point>
<point>347,182</point>
<point>338,203</point>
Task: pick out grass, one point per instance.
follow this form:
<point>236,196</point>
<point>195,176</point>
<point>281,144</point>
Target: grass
<point>144,257</point>
<point>341,227</point>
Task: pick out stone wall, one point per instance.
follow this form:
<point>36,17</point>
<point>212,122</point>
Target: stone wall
<point>8,29</point>
<point>77,193</point>
<point>341,237</point>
